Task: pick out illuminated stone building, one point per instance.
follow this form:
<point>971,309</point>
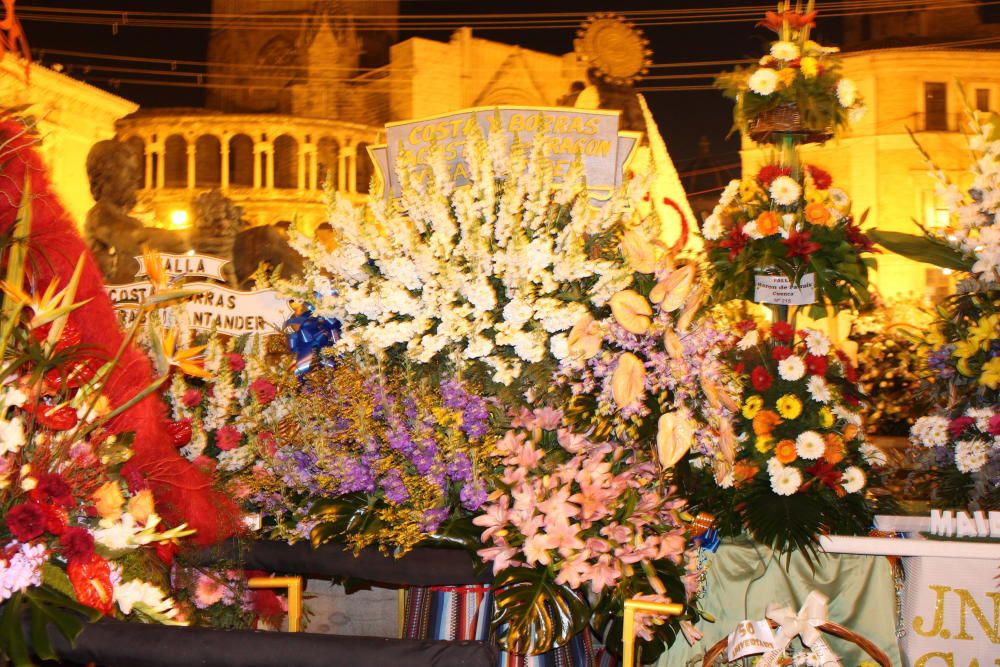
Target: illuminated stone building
<point>909,80</point>
<point>71,116</point>
<point>297,104</point>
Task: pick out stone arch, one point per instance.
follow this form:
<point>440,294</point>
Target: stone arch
<point>137,146</point>
<point>327,161</point>
<point>286,162</point>
<point>208,161</point>
<point>363,168</point>
<point>241,161</point>
<point>175,161</point>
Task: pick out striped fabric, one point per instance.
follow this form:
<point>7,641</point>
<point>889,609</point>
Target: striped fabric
<point>464,613</point>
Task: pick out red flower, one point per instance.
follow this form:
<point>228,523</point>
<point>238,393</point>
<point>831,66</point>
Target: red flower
<point>166,551</point>
<point>850,372</point>
<point>54,417</point>
<point>739,368</point>
<point>821,178</point>
<point>74,374</point>
<point>761,379</point>
<point>52,488</point>
<point>780,352</point>
<point>91,579</point>
<point>69,337</point>
<point>269,607</point>
<point>769,172</point>
<point>26,521</point>
<point>994,425</point>
<point>745,326</point>
<point>799,245</point>
<point>206,463</point>
<point>77,544</point>
<point>816,365</point>
<point>263,391</point>
<point>796,20</point>
<point>180,431</point>
<point>858,238</point>
<point>228,437</point>
<point>735,242</point>
<point>958,426</point>
<point>825,473</point>
<point>55,519</point>
<point>236,362</point>
<point>191,398</point>
<point>782,331</point>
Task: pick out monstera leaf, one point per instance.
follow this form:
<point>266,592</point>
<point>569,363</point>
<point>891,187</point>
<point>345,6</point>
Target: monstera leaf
<point>535,614</point>
<point>340,516</point>
<point>43,607</point>
<point>457,533</point>
<point>922,248</point>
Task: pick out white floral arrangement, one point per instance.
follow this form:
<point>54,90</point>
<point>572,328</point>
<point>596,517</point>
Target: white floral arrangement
<point>491,274</point>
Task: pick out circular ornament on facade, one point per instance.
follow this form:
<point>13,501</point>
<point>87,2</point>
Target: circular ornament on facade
<point>613,47</point>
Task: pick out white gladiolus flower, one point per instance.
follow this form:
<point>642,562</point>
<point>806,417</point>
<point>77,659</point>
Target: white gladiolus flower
<point>785,191</point>
<point>810,445</point>
<point>853,479</point>
<point>763,82</point>
<point>791,368</point>
<point>785,481</point>
<point>729,194</point>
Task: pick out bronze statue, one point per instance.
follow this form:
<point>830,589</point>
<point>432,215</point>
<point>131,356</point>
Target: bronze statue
<point>216,223</point>
<point>114,236</point>
<point>267,245</point>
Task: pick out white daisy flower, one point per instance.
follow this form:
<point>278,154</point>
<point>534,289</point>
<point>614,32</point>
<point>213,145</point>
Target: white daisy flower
<point>791,368</point>
<point>785,191</point>
<point>818,389</point>
<point>785,50</point>
<point>751,230</point>
<point>853,479</point>
<point>749,339</point>
<point>763,82</point>
<point>810,445</point>
<point>785,481</point>
<point>711,229</point>
<point>817,343</point>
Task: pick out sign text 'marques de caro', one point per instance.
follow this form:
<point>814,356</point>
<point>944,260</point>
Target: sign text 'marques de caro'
<point>592,137</point>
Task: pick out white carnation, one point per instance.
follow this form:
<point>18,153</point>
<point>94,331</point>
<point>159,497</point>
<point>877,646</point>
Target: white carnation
<point>810,445</point>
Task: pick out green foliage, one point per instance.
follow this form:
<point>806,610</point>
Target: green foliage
<point>44,607</point>
<point>535,614</point>
<point>926,248</point>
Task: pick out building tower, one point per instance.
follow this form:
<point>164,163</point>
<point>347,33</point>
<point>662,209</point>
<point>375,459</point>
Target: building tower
<point>261,50</point>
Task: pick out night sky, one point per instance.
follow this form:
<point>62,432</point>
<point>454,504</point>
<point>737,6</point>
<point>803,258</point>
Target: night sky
<point>684,116</point>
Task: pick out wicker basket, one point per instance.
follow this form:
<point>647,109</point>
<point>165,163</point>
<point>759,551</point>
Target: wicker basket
<point>785,119</point>
<point>877,654</point>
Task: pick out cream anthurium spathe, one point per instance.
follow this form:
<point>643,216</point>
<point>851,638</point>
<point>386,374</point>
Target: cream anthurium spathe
<point>629,380</point>
<point>632,311</point>
<point>674,435</point>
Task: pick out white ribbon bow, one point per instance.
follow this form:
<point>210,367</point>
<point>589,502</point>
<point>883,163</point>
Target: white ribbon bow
<point>805,625</point>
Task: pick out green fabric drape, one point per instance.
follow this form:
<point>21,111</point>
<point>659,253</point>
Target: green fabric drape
<point>744,577</point>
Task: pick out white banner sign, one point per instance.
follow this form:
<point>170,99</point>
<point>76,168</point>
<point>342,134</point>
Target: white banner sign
<point>201,266</point>
<point>749,638</point>
<point>215,308</point>
<point>950,613</point>
<point>779,290</point>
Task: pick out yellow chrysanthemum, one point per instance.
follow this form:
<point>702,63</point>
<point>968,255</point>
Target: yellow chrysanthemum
<point>789,406</point>
<point>991,373</point>
<point>752,406</point>
<point>764,443</point>
<point>825,417</point>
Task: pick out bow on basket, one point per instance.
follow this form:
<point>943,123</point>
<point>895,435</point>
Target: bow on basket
<point>804,625</point>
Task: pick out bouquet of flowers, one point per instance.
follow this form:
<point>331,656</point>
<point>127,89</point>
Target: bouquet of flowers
<point>574,520</point>
<point>803,462</point>
<point>775,222</point>
<point>377,460</point>
<point>221,598</point>
<point>484,279</point>
<point>963,369</point>
<point>648,375</point>
<point>798,86</point>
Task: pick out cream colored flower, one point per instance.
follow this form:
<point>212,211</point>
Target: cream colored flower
<point>585,338</point>
<point>785,191</point>
<point>785,50</point>
<point>671,292</point>
<point>853,479</point>
<point>674,435</point>
<point>847,92</point>
<point>711,229</point>
<point>791,368</point>
<point>628,382</point>
<point>763,82</point>
<point>638,252</point>
<point>632,311</point>
<point>785,481</point>
<point>810,445</point>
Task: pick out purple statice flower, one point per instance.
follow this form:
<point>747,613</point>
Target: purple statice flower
<point>401,441</point>
<point>460,467</point>
<point>939,360</point>
<point>475,417</point>
<point>24,569</point>
<point>395,490</point>
<point>356,476</point>
<point>473,495</point>
<point>432,519</point>
<point>453,394</point>
<point>423,459</point>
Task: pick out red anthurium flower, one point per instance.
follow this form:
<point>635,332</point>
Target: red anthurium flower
<point>761,379</point>
<point>69,337</point>
<point>799,245</point>
<point>56,418</point>
<point>91,579</point>
<point>180,431</point>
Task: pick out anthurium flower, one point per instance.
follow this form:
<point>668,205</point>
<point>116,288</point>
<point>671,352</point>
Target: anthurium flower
<point>629,380</point>
<point>694,302</point>
<point>141,505</point>
<point>671,292</point>
<point>638,251</point>
<point>91,579</point>
<point>674,435</point>
<point>632,311</point>
<point>584,338</point>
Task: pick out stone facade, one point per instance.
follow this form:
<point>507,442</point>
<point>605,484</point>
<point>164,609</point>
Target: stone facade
<point>71,117</point>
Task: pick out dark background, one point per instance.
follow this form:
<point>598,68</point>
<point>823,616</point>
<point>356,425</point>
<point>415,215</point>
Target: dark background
<point>684,116</point>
